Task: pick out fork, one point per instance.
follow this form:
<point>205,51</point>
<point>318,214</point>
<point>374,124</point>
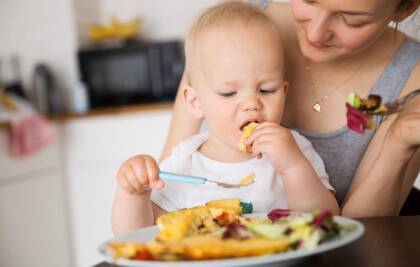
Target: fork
<point>169,176</point>
<point>397,105</point>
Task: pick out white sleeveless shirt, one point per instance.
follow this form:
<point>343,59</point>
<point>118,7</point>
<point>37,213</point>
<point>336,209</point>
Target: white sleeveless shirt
<point>265,194</point>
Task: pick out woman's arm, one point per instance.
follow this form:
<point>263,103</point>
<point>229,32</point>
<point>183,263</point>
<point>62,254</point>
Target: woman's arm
<point>183,124</point>
<point>390,164</point>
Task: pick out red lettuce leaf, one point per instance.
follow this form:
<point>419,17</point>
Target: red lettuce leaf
<point>356,119</point>
<point>278,213</point>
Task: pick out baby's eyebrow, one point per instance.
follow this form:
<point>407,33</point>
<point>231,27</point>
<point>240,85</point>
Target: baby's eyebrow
<point>233,84</point>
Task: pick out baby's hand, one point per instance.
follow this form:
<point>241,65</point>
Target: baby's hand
<point>139,174</point>
<point>277,144</point>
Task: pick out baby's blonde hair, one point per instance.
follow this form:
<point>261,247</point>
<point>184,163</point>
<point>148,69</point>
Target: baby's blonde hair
<point>224,14</point>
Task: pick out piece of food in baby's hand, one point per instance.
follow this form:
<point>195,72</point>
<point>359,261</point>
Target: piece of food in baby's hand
<point>246,133</point>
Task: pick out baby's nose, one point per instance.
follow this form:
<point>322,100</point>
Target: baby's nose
<point>252,104</point>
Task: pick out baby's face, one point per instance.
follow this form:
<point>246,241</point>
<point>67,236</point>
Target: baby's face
<point>238,77</point>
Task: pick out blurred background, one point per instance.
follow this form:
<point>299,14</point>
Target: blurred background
<point>83,86</point>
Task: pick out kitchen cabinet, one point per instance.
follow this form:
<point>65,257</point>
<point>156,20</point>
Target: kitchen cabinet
<point>33,218</point>
<point>95,147</point>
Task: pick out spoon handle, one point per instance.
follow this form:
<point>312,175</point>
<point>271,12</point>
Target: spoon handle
<point>169,176</point>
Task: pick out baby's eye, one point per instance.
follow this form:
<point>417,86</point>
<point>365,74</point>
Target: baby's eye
<point>267,90</point>
<point>227,94</point>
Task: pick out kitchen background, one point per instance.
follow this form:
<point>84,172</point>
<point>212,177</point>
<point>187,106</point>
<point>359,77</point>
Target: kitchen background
<point>55,202</point>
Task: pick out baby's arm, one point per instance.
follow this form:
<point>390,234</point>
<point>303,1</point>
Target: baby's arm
<point>305,191</point>
<point>303,187</point>
<point>132,207</point>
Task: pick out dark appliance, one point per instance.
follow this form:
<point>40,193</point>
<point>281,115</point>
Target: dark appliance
<point>45,94</point>
<point>132,73</point>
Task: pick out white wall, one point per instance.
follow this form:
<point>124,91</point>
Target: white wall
<point>163,19</point>
<point>41,30</point>
<point>86,13</point>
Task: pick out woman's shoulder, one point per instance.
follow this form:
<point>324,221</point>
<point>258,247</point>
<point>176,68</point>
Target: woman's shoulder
<point>413,81</point>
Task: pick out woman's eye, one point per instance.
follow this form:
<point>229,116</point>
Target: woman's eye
<point>267,91</point>
<point>348,23</point>
<point>228,94</point>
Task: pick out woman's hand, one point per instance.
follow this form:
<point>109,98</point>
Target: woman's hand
<point>278,144</point>
<point>405,129</point>
<point>139,174</point>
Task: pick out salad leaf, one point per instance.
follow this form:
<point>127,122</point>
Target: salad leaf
<point>278,213</point>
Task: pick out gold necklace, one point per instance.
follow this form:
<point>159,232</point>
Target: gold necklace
<point>317,105</point>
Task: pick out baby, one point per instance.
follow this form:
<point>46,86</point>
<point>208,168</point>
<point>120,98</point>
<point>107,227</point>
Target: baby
<point>235,71</point>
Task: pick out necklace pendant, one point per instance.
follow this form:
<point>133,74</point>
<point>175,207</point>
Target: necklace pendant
<point>317,107</point>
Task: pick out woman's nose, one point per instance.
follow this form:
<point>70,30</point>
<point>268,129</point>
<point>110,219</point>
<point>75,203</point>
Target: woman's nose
<point>318,29</point>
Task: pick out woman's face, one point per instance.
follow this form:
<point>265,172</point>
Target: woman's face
<point>331,30</point>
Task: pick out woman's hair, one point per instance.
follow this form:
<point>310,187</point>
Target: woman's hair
<point>226,14</point>
<point>403,4</point>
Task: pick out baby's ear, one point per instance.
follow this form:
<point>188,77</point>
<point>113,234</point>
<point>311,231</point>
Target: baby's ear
<point>286,87</point>
<point>192,101</point>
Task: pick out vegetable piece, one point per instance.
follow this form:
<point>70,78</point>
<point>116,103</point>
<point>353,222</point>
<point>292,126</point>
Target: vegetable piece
<point>246,207</point>
<point>371,103</point>
<point>354,100</point>
<point>278,213</point>
<point>237,231</point>
<point>271,231</point>
<point>356,120</point>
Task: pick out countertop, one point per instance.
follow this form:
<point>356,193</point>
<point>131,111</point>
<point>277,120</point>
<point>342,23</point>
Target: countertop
<point>106,111</point>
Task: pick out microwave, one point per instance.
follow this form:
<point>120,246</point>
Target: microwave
<point>133,73</point>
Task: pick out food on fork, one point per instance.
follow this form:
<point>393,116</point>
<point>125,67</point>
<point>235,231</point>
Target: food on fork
<point>360,111</point>
<point>218,230</point>
<point>247,180</point>
<point>246,133</point>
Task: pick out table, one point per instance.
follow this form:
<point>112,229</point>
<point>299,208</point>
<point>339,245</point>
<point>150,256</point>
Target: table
<point>389,241</point>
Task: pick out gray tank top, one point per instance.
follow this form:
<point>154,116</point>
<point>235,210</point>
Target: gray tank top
<point>342,150</point>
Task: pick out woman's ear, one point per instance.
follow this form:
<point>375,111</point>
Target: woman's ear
<point>406,10</point>
<point>192,101</point>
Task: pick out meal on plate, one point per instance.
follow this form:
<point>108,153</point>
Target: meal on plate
<point>247,132</point>
<point>220,230</point>
<point>360,111</point>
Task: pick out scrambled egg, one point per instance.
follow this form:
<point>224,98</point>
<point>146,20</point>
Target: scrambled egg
<point>246,133</point>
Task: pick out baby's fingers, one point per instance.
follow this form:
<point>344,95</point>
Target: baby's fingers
<point>132,178</point>
<point>141,174</point>
<point>153,173</point>
<point>125,184</point>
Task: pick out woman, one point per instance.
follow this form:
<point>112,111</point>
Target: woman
<point>333,48</point>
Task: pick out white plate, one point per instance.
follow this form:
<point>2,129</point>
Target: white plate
<point>286,258</point>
